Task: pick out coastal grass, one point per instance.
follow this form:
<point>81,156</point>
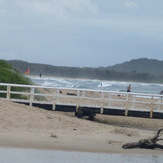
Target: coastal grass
<point>8,74</point>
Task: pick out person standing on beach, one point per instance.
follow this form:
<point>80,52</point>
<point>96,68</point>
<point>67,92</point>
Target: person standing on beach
<point>129,88</point>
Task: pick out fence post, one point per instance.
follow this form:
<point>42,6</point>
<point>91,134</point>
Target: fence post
<point>54,100</point>
<point>102,103</point>
<point>8,92</point>
<point>152,107</point>
<point>78,101</point>
<point>32,96</point>
<point>127,105</point>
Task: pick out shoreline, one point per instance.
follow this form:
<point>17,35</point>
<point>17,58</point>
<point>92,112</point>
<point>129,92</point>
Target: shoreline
<point>66,147</point>
<point>100,80</point>
<point>28,127</point>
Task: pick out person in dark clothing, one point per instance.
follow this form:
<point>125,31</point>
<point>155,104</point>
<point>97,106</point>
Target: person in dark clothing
<point>129,88</point>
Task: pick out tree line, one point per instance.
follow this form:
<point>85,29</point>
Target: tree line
<point>100,73</point>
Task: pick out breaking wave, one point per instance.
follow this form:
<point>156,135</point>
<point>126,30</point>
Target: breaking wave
<point>137,87</point>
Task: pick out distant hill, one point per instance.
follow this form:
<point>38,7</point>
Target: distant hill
<point>142,65</point>
<point>144,70</point>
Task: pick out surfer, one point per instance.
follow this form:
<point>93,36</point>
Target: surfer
<point>129,88</point>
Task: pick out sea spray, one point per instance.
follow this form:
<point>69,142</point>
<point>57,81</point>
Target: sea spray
<point>136,87</point>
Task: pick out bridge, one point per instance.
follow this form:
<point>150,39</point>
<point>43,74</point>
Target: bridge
<point>103,102</point>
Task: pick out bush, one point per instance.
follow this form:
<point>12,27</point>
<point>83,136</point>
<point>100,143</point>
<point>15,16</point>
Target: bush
<point>9,75</point>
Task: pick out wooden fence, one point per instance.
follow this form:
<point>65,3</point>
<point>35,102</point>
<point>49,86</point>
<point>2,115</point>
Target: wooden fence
<point>82,97</point>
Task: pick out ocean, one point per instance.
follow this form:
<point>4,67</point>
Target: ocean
<point>18,155</point>
<point>137,87</point>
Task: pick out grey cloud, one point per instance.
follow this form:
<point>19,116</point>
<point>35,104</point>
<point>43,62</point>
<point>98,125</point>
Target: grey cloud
<point>58,9</point>
<point>130,4</point>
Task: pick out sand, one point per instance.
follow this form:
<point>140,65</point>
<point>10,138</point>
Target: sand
<point>23,126</point>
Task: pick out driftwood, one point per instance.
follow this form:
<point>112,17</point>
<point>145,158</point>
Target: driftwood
<point>150,143</point>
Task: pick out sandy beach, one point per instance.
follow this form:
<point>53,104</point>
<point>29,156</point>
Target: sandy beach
<point>23,126</point>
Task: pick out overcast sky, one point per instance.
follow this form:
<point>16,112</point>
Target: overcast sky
<point>81,33</point>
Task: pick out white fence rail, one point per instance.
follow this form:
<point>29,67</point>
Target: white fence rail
<point>82,97</point>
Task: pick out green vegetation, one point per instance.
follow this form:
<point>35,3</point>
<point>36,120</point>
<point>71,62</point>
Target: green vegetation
<point>140,70</point>
<point>142,65</point>
<point>8,74</point>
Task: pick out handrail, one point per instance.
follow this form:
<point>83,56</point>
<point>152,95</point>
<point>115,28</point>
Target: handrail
<point>82,97</point>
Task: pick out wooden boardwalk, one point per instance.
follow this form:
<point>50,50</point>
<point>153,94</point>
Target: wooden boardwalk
<point>105,102</point>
